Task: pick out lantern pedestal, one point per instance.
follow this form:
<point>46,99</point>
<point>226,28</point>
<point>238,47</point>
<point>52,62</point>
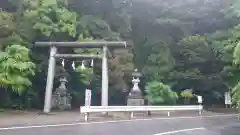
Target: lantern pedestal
<point>134,100</point>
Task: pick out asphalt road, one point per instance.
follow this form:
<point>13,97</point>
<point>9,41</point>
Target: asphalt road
<point>212,125</point>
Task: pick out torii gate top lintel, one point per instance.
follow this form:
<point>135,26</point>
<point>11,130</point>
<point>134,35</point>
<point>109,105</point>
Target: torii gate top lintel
<point>84,44</point>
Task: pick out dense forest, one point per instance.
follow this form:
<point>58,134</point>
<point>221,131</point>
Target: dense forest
<point>180,47</point>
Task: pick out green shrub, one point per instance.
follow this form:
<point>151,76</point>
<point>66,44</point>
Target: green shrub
<point>158,93</point>
<point>187,95</point>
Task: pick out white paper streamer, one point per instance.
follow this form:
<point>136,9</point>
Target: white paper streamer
<point>92,63</point>
<point>63,63</point>
<point>73,65</point>
<point>83,66</point>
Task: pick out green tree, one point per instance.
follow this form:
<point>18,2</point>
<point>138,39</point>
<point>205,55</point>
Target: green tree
<point>236,54</point>
<point>236,95</point>
<point>198,67</point>
<point>16,68</point>
<point>51,18</point>
<point>158,93</point>
<point>236,61</point>
<point>8,33</point>
<point>160,63</point>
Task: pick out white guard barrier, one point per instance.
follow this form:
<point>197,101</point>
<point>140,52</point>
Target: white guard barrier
<point>131,109</point>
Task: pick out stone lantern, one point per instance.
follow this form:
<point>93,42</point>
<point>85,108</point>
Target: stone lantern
<point>135,97</point>
<point>61,98</point>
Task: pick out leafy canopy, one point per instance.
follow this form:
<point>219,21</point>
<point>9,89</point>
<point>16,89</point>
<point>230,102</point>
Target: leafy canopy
<point>15,68</point>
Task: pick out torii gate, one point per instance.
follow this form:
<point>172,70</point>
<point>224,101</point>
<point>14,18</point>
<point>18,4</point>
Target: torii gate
<point>89,44</point>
